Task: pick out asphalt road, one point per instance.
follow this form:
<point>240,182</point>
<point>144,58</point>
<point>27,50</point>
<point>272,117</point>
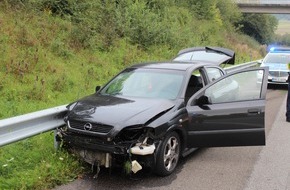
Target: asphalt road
<point>228,168</point>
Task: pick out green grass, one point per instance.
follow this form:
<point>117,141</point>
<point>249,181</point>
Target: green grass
<point>40,71</point>
<point>33,164</point>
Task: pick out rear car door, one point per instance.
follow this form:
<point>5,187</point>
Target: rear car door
<point>230,111</point>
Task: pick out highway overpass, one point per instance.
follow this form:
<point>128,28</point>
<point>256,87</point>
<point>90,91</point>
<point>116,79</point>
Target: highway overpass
<point>264,6</point>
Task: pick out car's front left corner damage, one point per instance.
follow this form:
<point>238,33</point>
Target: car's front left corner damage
<point>132,148</point>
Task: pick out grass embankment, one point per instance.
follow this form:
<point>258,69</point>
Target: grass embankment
<point>283,27</point>
<point>39,71</point>
<point>41,67</point>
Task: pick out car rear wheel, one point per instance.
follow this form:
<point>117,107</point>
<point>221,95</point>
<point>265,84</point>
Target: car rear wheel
<point>168,155</point>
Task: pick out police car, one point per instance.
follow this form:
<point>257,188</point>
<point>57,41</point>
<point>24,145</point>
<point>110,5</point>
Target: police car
<point>278,61</point>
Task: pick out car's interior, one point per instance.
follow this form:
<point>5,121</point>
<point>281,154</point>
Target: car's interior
<point>194,84</point>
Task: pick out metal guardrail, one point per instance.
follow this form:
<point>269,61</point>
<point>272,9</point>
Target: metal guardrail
<point>20,127</point>
<point>242,66</point>
<point>24,126</point>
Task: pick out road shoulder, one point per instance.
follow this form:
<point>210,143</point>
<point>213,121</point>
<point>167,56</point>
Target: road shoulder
<point>272,168</point>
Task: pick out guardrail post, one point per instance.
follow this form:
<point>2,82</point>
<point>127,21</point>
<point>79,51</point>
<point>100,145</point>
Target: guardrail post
<point>56,142</point>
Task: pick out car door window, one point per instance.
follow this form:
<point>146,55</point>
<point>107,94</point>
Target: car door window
<point>213,73</point>
<point>235,88</point>
<point>195,83</point>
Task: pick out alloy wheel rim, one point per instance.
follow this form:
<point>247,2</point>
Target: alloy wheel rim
<point>171,153</point>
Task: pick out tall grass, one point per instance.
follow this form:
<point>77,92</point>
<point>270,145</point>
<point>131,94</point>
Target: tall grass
<point>34,164</point>
<point>38,70</point>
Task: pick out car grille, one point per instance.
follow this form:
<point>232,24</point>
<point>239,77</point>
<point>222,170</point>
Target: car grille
<point>95,127</point>
<point>278,73</point>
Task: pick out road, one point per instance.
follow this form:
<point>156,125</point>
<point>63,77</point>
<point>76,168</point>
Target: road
<point>228,168</point>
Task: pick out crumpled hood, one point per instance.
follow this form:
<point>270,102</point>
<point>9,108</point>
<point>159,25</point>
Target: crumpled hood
<point>116,111</point>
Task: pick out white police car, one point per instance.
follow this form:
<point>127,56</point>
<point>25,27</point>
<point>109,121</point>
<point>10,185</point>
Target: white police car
<point>278,61</point>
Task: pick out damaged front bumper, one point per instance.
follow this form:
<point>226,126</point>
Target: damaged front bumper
<point>104,151</point>
<point>93,143</point>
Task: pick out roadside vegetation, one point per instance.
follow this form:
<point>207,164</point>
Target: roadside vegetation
<point>53,52</point>
<point>282,36</point>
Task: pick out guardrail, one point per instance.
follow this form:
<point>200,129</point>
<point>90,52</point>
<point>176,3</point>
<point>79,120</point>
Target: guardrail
<point>24,126</point>
<point>20,127</point>
<point>242,66</point>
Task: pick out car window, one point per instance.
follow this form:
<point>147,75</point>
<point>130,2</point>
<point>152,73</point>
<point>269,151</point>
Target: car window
<point>195,83</point>
<point>277,58</point>
<point>146,83</point>
<point>213,73</point>
<point>235,88</point>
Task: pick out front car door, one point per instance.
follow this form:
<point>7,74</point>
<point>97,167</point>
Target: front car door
<point>230,111</point>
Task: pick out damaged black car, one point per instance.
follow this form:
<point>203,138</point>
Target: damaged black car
<point>151,114</point>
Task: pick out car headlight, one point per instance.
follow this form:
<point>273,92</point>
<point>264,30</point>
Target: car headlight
<point>135,133</point>
<point>131,133</point>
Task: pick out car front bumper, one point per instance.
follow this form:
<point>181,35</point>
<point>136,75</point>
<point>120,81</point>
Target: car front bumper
<point>278,77</point>
<point>94,144</point>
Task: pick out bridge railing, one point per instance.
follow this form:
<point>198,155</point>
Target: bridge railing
<point>24,126</point>
<point>262,1</point>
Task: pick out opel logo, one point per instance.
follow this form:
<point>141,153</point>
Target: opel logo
<point>88,126</point>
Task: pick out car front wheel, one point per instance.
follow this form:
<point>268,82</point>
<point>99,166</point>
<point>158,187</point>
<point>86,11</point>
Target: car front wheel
<point>168,155</point>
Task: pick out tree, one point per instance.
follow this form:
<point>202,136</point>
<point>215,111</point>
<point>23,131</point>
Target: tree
<point>230,13</point>
<point>259,26</point>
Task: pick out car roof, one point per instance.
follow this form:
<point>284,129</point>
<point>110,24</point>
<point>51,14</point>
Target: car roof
<point>172,65</point>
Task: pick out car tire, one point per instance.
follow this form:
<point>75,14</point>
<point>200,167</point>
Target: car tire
<point>168,154</point>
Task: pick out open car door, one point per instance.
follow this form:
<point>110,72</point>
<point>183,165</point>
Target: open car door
<point>230,111</point>
<point>214,55</point>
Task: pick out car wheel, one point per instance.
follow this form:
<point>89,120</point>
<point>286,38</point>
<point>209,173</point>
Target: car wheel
<point>168,155</point>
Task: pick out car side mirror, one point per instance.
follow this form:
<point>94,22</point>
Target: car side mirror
<point>203,100</point>
<point>98,88</point>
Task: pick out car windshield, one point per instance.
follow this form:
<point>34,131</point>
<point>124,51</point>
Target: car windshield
<point>145,83</point>
<point>277,58</point>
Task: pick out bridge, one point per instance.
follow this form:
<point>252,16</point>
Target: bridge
<point>264,6</point>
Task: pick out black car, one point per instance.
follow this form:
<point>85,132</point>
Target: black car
<point>151,114</point>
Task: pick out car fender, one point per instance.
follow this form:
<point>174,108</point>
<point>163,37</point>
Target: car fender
<point>181,131</point>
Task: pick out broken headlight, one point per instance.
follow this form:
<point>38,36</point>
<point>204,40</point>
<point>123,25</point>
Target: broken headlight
<point>131,133</point>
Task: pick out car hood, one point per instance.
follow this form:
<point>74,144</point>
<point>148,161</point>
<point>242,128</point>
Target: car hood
<point>118,111</point>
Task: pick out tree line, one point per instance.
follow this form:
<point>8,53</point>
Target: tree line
<point>98,23</point>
